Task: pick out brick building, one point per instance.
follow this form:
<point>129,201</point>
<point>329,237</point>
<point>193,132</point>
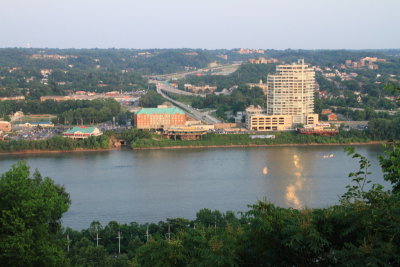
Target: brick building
<point>159,118</point>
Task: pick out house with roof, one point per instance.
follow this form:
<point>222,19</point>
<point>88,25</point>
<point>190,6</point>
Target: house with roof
<point>42,124</point>
<point>331,116</point>
<point>159,118</point>
<point>81,132</point>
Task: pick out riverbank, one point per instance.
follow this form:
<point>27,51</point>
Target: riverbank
<point>186,147</point>
<point>58,151</point>
<point>262,145</point>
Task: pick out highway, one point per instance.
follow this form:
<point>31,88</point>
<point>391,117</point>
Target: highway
<point>220,70</point>
<point>196,114</point>
<point>170,89</point>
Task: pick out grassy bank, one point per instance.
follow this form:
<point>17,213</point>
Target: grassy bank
<point>148,140</point>
<point>217,140</point>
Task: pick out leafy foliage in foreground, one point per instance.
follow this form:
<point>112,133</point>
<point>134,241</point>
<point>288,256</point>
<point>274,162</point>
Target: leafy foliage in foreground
<point>31,208</point>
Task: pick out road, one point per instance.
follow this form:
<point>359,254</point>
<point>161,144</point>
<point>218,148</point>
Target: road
<point>169,89</point>
<point>198,115</point>
<point>391,112</point>
<point>220,70</point>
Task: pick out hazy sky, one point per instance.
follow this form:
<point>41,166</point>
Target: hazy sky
<point>277,24</point>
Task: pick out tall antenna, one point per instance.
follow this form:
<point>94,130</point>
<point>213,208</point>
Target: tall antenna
<point>119,242</point>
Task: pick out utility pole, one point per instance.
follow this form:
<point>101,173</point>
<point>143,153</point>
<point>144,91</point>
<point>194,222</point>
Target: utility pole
<point>97,238</point>
<point>119,242</point>
<point>169,232</point>
<point>68,242</point>
<point>215,223</point>
<point>147,234</point>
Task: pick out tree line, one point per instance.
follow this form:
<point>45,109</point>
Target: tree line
<point>55,143</point>
<point>68,112</point>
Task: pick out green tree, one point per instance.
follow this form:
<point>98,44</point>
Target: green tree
<point>390,163</point>
<point>151,99</point>
<point>31,208</point>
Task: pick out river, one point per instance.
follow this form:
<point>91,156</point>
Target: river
<point>152,185</point>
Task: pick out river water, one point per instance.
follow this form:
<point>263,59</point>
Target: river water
<point>152,185</point>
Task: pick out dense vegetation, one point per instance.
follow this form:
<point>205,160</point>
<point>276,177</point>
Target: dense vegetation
<point>30,219</point>
<point>55,143</point>
<point>69,112</point>
<point>151,99</point>
<point>362,230</point>
<point>212,139</point>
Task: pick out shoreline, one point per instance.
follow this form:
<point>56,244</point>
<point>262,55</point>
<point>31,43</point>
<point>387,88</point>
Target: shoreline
<point>57,151</point>
<point>263,145</point>
<point>28,152</point>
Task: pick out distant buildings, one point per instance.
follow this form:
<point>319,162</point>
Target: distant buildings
<point>244,51</point>
<point>82,95</point>
<point>366,62</point>
<point>12,98</point>
<point>56,98</point>
<point>82,132</point>
<point>53,57</point>
<point>289,100</point>
<point>200,89</point>
<point>262,60</point>
<point>260,84</point>
<point>159,118</point>
<point>5,126</point>
<point>223,56</point>
<point>331,116</point>
<point>42,124</point>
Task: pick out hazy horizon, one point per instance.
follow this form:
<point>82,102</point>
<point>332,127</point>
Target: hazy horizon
<point>223,24</point>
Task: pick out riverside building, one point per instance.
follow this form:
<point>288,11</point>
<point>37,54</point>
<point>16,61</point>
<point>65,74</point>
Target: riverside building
<point>82,132</point>
<point>159,118</point>
<point>289,99</point>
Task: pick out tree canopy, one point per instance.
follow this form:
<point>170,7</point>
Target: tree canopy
<point>30,219</point>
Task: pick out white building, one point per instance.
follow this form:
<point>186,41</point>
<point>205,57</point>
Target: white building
<point>291,91</point>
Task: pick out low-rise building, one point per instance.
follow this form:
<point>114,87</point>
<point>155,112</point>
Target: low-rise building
<point>15,98</point>
<point>5,126</point>
<point>263,122</point>
<point>328,112</point>
<point>56,98</point>
<point>258,120</point>
<point>159,118</point>
<point>43,124</point>
<point>82,132</point>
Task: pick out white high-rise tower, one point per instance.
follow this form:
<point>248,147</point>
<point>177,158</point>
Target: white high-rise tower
<point>291,91</point>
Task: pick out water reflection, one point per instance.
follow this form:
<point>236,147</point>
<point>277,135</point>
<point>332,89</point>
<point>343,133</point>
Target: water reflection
<point>148,186</point>
<point>292,188</point>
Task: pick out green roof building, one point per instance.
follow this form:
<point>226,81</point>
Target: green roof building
<point>80,132</point>
<point>159,118</point>
<point>151,111</point>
